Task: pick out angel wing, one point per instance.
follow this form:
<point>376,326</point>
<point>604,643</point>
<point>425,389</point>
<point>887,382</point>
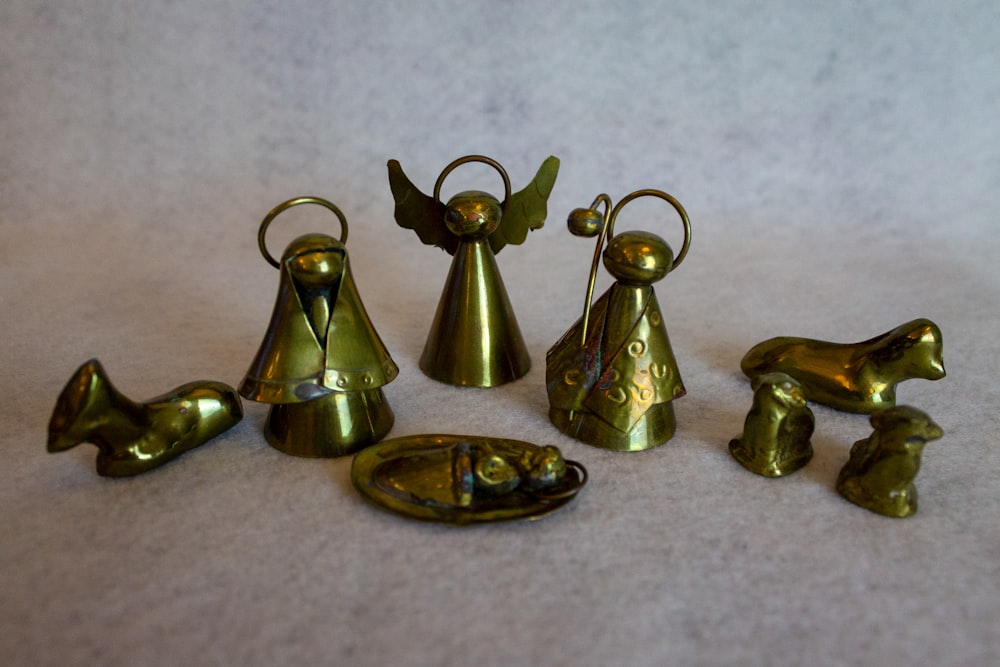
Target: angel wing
<point>417,211</point>
<point>526,209</point>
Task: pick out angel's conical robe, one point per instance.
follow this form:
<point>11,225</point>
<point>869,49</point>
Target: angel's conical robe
<point>475,339</point>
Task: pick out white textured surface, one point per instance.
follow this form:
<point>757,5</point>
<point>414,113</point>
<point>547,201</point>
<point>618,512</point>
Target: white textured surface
<point>841,166</point>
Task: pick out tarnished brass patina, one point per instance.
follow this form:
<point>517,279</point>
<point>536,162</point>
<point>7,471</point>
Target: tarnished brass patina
<point>854,377</point>
<point>321,364</point>
<point>611,378</point>
<point>135,437</point>
<point>474,339</point>
<point>880,472</point>
<point>462,480</point>
<point>775,440</point>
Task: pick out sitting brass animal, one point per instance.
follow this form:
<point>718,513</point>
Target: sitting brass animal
<point>859,377</point>
<point>880,472</point>
<point>135,437</point>
<point>775,440</point>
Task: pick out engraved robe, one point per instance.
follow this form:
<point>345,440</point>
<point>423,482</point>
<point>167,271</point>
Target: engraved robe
<point>640,373</point>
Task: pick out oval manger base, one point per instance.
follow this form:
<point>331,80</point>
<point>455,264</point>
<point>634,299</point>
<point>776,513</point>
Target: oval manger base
<point>463,480</point>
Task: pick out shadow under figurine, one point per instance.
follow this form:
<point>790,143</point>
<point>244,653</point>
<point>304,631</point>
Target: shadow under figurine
<point>854,377</point>
<point>321,365</point>
<point>880,472</point>
<point>612,377</point>
<point>463,480</point>
<point>135,437</point>
<point>474,339</point>
<point>775,440</point>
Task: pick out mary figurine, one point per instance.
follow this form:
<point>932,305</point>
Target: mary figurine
<point>321,365</point>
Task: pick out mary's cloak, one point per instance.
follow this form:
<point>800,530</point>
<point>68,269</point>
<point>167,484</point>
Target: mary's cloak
<point>296,362</point>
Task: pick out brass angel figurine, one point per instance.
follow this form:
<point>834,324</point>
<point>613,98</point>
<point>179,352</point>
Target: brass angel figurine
<point>474,339</point>
<point>612,377</point>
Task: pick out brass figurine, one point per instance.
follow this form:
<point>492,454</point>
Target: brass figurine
<point>321,365</point>
<point>612,377</point>
<point>135,437</point>
<point>775,440</point>
<point>463,480</point>
<point>880,472</point>
<point>474,339</point>
<point>859,377</point>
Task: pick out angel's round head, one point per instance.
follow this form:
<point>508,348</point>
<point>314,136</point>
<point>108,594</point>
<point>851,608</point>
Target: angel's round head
<point>472,214</point>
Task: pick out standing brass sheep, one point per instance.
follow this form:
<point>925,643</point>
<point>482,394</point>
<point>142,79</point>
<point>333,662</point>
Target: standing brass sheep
<point>879,475</point>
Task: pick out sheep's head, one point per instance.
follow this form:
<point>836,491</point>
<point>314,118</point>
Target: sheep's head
<point>902,427</point>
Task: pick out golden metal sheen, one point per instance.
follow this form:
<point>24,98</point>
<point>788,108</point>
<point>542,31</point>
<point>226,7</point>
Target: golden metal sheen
<point>854,377</point>
<point>880,472</point>
<point>462,480</point>
<point>612,377</point>
<point>337,424</point>
<point>775,439</point>
<point>135,437</point>
<point>321,364</point>
<point>474,339</point>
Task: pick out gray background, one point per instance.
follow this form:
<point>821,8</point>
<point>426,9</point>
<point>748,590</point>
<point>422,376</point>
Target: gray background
<point>841,166</point>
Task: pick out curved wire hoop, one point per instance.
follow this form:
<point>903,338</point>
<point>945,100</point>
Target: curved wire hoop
<point>284,206</point>
<point>472,158</point>
<point>670,200</point>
